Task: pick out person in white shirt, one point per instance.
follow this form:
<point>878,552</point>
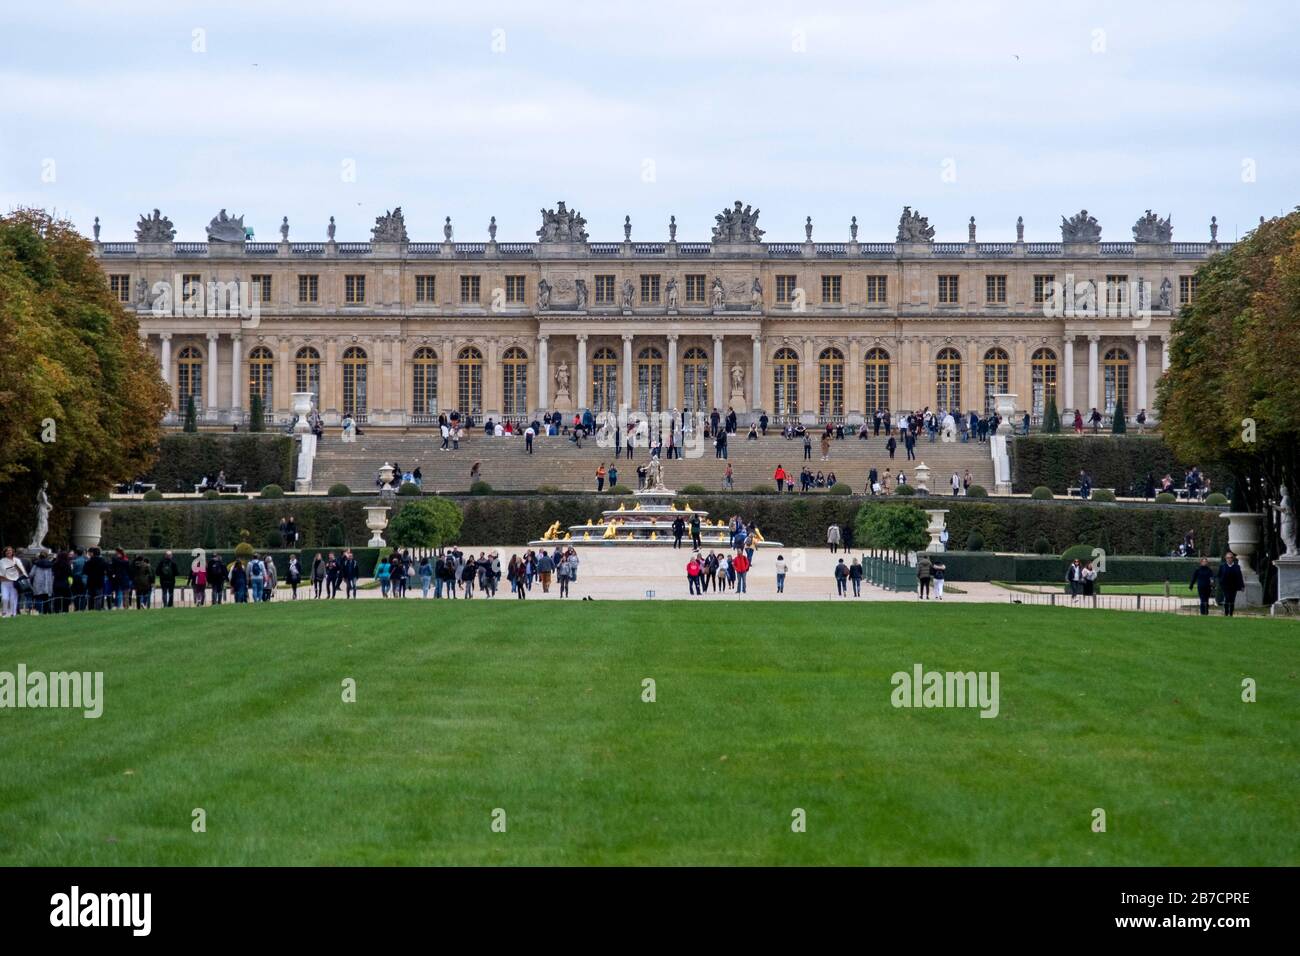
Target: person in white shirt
<point>956,484</point>
<point>11,569</point>
<point>781,569</point>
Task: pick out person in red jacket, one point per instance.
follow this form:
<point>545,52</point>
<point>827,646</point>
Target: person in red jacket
<point>693,575</point>
<point>740,564</point>
<point>779,477</point>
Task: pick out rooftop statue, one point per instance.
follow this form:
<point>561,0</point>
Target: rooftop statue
<point>913,227</point>
<point>1151,228</point>
<point>738,224</point>
<point>390,227</point>
<point>562,225</point>
<point>225,228</point>
<point>155,228</point>
<point>1080,228</point>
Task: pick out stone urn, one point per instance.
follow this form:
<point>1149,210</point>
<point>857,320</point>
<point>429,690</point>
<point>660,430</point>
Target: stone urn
<point>935,528</point>
<point>377,521</point>
<point>88,525</point>
<point>386,473</point>
<point>922,474</point>
<point>1004,403</point>
<point>302,405</point>
<point>1243,541</point>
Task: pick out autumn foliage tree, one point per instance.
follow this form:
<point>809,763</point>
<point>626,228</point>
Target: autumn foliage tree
<point>82,398</point>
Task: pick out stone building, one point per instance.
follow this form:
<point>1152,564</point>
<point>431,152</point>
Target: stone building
<point>395,331</point>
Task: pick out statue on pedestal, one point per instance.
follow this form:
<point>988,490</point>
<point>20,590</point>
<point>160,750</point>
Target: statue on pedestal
<point>43,509</point>
<point>562,380</point>
<point>654,474</point>
<point>1286,511</point>
<point>737,379</point>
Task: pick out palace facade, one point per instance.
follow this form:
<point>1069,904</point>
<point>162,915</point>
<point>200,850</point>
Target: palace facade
<point>394,332</point>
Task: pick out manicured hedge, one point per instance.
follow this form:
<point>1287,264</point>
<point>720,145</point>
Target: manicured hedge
<point>1038,569</point>
<point>1114,461</point>
<point>194,523</point>
<point>253,459</point>
<point>367,558</point>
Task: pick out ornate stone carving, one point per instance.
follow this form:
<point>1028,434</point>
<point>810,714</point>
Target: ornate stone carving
<point>1080,228</point>
<point>1020,228</point>
<point>224,228</point>
<point>284,229</point>
<point>627,228</point>
<point>1214,229</point>
<point>543,295</point>
<point>629,290</point>
<point>756,295</point>
<point>492,229</point>
<point>1151,228</point>
<point>738,224</point>
<point>970,235</point>
<point>853,229</point>
<point>562,225</point>
<point>581,286</point>
<point>155,228</point>
<point>807,229</point>
<point>913,227</point>
<point>446,230</point>
<point>97,229</point>
<point>390,227</point>
<point>672,228</point>
<point>672,293</point>
<point>562,380</point>
<point>1166,293</point>
<point>329,230</point>
<point>719,294</point>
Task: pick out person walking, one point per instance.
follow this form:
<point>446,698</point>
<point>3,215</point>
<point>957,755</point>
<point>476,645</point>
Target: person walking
<point>779,477</point>
<point>807,447</point>
<point>600,478</point>
<point>833,538</point>
<point>782,569</point>
<point>956,484</point>
<point>294,575</point>
<point>317,575</point>
<point>855,577</point>
<point>924,572</point>
<point>12,571</point>
<point>613,476</point>
<point>679,529</point>
<point>727,476</point>
<point>841,578</point>
<point>545,566</point>
<point>695,532</point>
<point>1203,581</point>
<point>938,570</point>
<point>528,439</point>
<point>199,581</point>
<point>693,575</point>
<point>167,571</point>
<point>1231,581</point>
<point>891,446</point>
<point>426,575</point>
<point>740,566</point>
<point>826,447</point>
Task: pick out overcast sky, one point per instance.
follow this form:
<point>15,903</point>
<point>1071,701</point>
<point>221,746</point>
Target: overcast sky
<point>650,109</point>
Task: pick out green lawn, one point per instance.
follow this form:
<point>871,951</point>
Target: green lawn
<point>761,708</point>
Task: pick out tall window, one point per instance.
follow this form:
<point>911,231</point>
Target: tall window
<point>120,286</point>
<point>1043,372</point>
<point>877,374</point>
<point>695,287</point>
<point>514,382</point>
<point>947,377</point>
<point>261,377</point>
<point>785,286</point>
<point>1114,369</point>
<point>261,287</point>
<point>355,369</point>
<point>948,290</point>
<point>189,377</point>
<point>604,381</point>
<point>192,287</point>
<point>995,290</point>
<point>1043,287</point>
<point>354,289</point>
<point>308,288</point>
<point>649,289</point>
<point>878,289</point>
<point>785,383</point>
<point>604,290</point>
<point>515,294</point>
<point>650,380</point>
<point>306,372</point>
<point>695,380</point>
<point>426,288</point>
<point>469,381</point>
<point>832,289</point>
<point>424,382</point>
<point>830,384</point>
<point>1186,289</point>
<point>997,377</point>
<point>471,290</point>
<point>1116,291</point>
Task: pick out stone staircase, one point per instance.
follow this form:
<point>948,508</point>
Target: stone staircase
<point>555,462</point>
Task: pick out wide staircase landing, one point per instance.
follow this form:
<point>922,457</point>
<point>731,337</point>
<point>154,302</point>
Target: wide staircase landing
<point>557,463</point>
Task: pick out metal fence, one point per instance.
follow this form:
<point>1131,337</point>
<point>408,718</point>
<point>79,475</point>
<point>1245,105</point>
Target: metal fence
<point>889,570</point>
<point>1108,602</point>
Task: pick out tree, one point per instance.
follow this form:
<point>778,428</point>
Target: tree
<point>1051,417</point>
<point>427,523</point>
<point>191,416</point>
<point>83,399</point>
<point>256,416</point>
<point>896,527</point>
<point>1118,420</point>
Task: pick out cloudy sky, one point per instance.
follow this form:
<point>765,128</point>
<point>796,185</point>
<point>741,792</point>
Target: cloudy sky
<point>471,110</point>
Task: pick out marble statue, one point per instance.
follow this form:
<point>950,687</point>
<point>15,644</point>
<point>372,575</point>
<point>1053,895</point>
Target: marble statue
<point>42,517</point>
<point>1166,293</point>
<point>672,293</point>
<point>225,228</point>
<point>853,229</point>
<point>492,229</point>
<point>562,379</point>
<point>1214,229</point>
<point>627,228</point>
<point>756,295</point>
<point>654,474</point>
<point>739,224</point>
<point>1286,511</point>
<point>329,230</point>
<point>543,295</point>
<point>141,291</point>
<point>1020,228</point>
<point>629,290</point>
<point>284,229</point>
<point>913,227</point>
<point>390,227</point>
<point>1080,228</point>
<point>672,228</point>
<point>155,228</point>
<point>97,229</point>
<point>737,379</point>
<point>970,232</point>
<point>1151,228</point>
<point>719,294</point>
<point>562,225</point>
<point>581,286</point>
<point>807,229</point>
<point>446,230</point>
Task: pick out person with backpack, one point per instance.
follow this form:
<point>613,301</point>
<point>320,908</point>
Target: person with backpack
<point>938,571</point>
<point>257,578</point>
<point>924,572</point>
<point>841,578</point>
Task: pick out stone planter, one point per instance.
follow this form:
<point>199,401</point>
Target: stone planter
<point>88,525</point>
<point>302,405</point>
<point>922,475</point>
<point>386,473</point>
<point>377,521</point>
<point>1243,540</point>
<point>1004,403</point>
<point>935,528</point>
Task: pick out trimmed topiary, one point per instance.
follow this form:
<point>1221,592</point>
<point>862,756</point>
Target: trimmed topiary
<point>975,541</point>
<point>483,488</point>
<point>244,551</point>
<point>906,490</point>
<point>339,490</point>
<point>272,491</point>
<point>1103,494</point>
<point>153,494</point>
<point>977,491</point>
<point>1042,493</point>
<point>1042,546</point>
<point>272,539</point>
<point>335,536</point>
<point>212,494</point>
<point>839,488</point>
<point>1216,498</point>
<point>409,488</point>
<point>1166,498</point>
<point>1081,551</point>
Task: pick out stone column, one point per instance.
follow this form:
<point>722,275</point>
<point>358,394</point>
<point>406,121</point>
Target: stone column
<point>1141,376</point>
<point>285,381</point>
<point>854,387</point>
<point>756,377</point>
<point>329,380</point>
<point>166,360</point>
<point>1092,372</point>
<point>627,369</point>
<point>808,381</point>
<point>213,400</point>
<point>543,373</point>
<point>236,374</point>
<point>718,388</point>
<point>1164,353</point>
<point>670,394</point>
<point>447,396</point>
<point>584,390</point>
<point>1067,376</point>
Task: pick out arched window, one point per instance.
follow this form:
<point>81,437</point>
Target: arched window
<point>1114,378</point>
<point>830,384</point>
<point>785,383</point>
<point>1043,385</point>
<point>356,368</point>
<point>997,377</point>
<point>189,377</point>
<point>877,378</point>
<point>650,380</point>
<point>514,382</point>
<point>604,381</point>
<point>261,378</point>
<point>695,380</point>
<point>947,378</point>
<point>424,383</point>
<point>469,381</point>
<point>306,374</point>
